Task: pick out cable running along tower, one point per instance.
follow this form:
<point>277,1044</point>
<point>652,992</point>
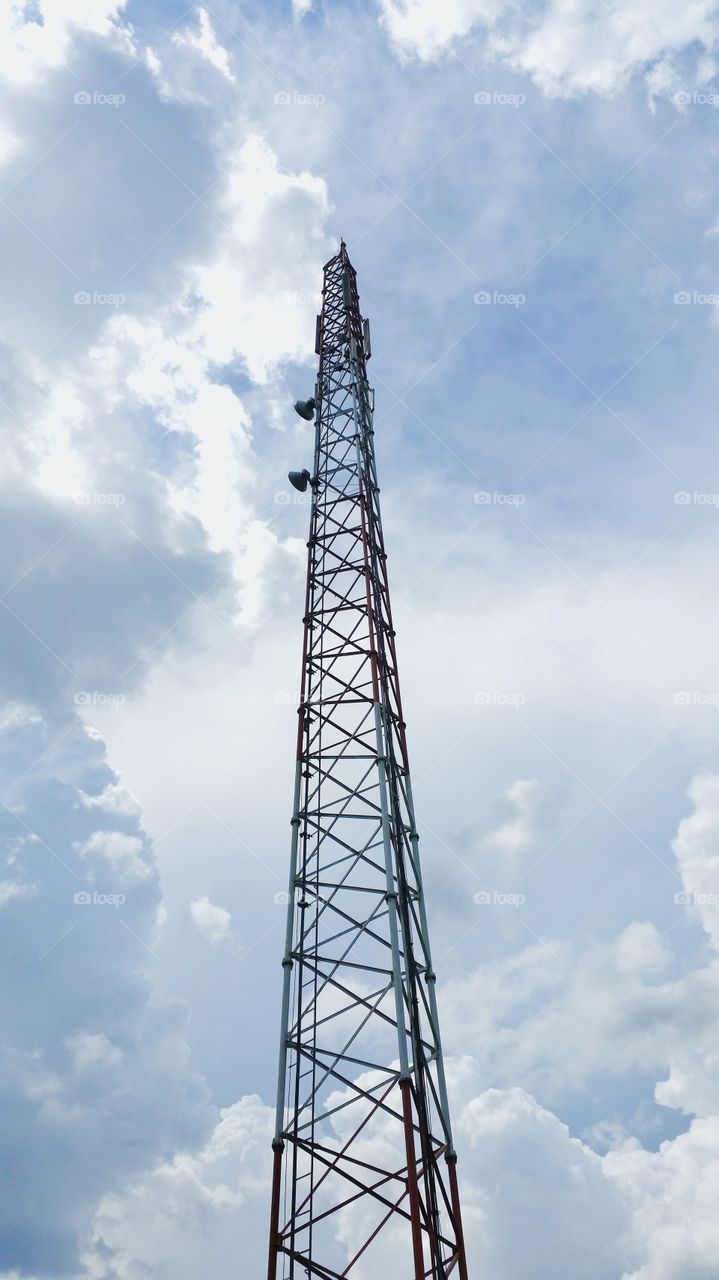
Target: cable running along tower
<point>365,1180</point>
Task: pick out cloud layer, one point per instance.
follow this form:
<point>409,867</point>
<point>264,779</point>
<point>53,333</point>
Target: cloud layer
<point>567,48</point>
<point>171,186</point>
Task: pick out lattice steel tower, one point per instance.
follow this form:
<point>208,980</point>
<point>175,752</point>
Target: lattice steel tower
<point>364,1181</point>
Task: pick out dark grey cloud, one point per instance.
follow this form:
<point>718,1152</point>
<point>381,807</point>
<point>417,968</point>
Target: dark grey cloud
<point>96,1083</point>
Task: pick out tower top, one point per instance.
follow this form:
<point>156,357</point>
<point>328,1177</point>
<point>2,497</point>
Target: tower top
<point>341,256</point>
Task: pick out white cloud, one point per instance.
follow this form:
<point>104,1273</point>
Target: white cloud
<point>93,1051</point>
<point>206,44</point>
<point>519,1014</point>
<point>260,290</point>
<point>581,46</point>
<point>249,305</point>
<point>114,798</point>
<point>611,1001</point>
<point>513,836</point>
<point>633,1213</point>
<point>195,1215</point>
<point>8,142</point>
<point>567,46</point>
<point>693,1082</point>
<point>523,1166</point>
<point>125,853</point>
<point>696,849</point>
<point>94,1062</point>
<point>672,1194</point>
<point>10,889</point>
<point>192,66</point>
<point>154,383</point>
<point>213,922</point>
<point>519,1163</point>
<point>34,37</point>
<point>425,30</point>
<point>139,409</point>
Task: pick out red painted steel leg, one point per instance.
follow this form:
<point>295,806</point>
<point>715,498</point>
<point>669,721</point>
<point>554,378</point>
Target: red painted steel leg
<point>414,1205</point>
<point>457,1213</point>
<point>275,1211</point>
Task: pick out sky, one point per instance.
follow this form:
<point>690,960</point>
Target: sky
<point>530,195</point>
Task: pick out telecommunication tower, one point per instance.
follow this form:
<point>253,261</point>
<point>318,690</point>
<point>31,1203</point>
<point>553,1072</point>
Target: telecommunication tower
<point>365,1170</point>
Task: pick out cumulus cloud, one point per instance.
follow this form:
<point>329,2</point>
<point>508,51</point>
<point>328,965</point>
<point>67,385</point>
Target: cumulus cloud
<point>191,66</point>
<point>578,48</point>
<point>632,1214</point>
<point>615,1002</point>
<point>114,798</point>
<point>10,889</point>
<point>233,311</point>
<point>125,853</point>
<point>513,836</point>
<point>262,290</point>
<point>35,35</point>
<point>567,49</point>
<point>523,1166</point>
<point>206,44</point>
<point>521,1013</point>
<point>152,408</point>
<point>672,1195</point>
<point>421,29</point>
<point>696,849</point>
<point>94,1063</point>
<point>213,922</point>
<point>519,1164</point>
<point>195,1213</point>
<point>128,465</point>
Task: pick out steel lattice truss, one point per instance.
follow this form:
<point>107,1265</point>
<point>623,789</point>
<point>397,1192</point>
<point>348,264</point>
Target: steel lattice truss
<point>365,1169</point>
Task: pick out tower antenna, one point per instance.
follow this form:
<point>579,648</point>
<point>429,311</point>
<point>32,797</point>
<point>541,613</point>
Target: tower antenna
<point>365,1170</point>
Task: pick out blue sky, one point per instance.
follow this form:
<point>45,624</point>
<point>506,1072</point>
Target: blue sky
<point>172,179</point>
